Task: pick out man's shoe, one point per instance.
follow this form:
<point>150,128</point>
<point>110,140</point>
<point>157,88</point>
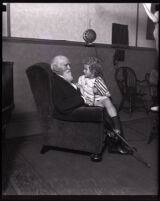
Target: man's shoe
<point>123,150</point>
<point>118,149</point>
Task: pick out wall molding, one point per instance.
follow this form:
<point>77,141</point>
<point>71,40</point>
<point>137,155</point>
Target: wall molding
<point>69,43</point>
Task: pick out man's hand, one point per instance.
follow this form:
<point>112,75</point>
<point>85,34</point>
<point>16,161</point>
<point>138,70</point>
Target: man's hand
<point>80,87</point>
<point>89,101</point>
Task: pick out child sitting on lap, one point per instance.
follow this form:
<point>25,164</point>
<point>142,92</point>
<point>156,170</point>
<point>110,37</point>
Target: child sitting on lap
<point>95,91</point>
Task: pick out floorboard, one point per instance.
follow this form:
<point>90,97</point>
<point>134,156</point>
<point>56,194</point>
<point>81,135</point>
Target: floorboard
<point>64,173</point>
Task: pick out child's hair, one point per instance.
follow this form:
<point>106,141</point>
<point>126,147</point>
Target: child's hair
<point>91,60</point>
<point>94,66</point>
<point>96,69</point>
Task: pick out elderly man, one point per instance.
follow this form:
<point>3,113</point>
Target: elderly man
<point>67,96</point>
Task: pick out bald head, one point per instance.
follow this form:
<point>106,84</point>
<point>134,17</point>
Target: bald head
<point>59,64</point>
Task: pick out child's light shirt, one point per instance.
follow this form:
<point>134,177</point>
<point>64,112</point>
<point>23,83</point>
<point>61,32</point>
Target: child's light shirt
<point>87,89</point>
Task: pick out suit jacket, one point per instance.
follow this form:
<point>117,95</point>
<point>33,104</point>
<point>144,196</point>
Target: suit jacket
<point>65,97</point>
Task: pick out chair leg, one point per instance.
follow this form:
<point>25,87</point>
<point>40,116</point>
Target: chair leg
<point>96,157</point>
<point>151,137</point>
<point>147,111</point>
<point>131,104</point>
<point>154,131</point>
<point>44,149</point>
<point>145,107</point>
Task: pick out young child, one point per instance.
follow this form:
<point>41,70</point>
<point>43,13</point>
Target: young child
<point>95,91</point>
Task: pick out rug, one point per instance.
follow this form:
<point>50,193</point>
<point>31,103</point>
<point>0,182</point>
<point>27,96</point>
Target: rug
<point>25,180</point>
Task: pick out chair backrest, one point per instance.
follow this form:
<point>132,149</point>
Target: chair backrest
<point>40,79</point>
<point>126,80</point>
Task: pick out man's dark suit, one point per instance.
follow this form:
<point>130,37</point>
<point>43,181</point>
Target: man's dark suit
<point>66,98</point>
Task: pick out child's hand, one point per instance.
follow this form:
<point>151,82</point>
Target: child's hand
<point>78,85</point>
<point>95,91</point>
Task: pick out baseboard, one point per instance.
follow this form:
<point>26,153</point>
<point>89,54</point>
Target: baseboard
<point>24,116</point>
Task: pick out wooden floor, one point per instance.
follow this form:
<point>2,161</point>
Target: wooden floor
<point>27,172</point>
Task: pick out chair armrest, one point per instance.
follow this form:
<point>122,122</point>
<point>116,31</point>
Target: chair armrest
<point>83,114</point>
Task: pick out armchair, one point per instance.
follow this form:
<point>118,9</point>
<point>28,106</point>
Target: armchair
<point>132,89</point>
<point>82,130</point>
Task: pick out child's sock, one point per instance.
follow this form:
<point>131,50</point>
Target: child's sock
<point>117,125</point>
<point>116,122</point>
